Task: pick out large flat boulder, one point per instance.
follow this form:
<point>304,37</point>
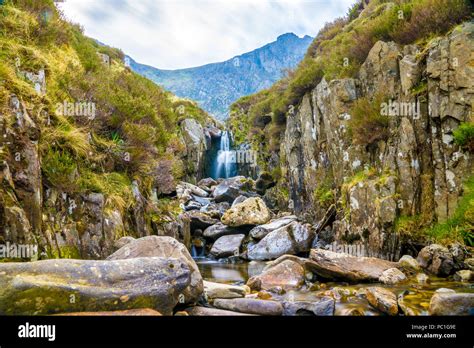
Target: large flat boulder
<point>218,290</point>
<point>250,306</point>
<point>218,230</point>
<point>287,273</point>
<point>324,306</point>
<point>450,303</point>
<point>291,239</point>
<point>339,266</point>
<point>199,311</point>
<point>261,231</point>
<point>65,285</point>
<point>166,247</point>
<point>252,211</point>
<point>227,246</point>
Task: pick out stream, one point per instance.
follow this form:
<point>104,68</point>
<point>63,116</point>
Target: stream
<point>349,299</point>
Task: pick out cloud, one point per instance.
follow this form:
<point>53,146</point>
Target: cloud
<point>171,34</point>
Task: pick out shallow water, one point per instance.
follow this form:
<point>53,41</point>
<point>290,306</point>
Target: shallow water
<point>349,298</point>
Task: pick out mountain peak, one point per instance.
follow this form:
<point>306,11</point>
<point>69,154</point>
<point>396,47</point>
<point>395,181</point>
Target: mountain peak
<point>287,36</point>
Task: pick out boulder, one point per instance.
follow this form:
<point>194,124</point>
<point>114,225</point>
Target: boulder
<point>392,276</point>
<point>382,299</point>
<point>215,210</point>
<point>65,285</point>
<point>140,312</point>
<point>218,230</point>
<point>264,182</point>
<point>122,242</point>
<point>469,263</point>
<point>227,246</point>
<point>166,247</point>
<point>436,259</point>
<point>218,290</point>
<point>465,275</point>
<point>200,220</point>
<point>207,182</point>
<point>238,200</point>
<point>408,262</point>
<point>339,266</point>
<point>229,189</point>
<point>251,306</point>
<point>291,239</point>
<point>261,231</point>
<point>195,190</point>
<point>448,303</point>
<point>252,211</point>
<point>287,273</point>
<point>206,311</point>
<point>324,306</point>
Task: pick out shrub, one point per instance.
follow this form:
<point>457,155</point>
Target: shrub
<point>60,168</point>
<point>464,136</point>
<point>367,126</point>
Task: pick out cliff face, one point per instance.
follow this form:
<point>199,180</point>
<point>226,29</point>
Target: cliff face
<point>72,183</point>
<point>415,171</point>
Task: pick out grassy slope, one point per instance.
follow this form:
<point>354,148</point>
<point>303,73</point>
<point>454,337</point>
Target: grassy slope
<point>136,123</point>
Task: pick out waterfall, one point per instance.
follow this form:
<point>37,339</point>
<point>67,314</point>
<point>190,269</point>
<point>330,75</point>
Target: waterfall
<point>225,167</point>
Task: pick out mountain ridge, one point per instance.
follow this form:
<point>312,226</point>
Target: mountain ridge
<point>215,86</point>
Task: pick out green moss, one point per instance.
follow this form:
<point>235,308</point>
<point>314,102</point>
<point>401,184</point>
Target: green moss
<point>464,136</point>
<point>460,227</point>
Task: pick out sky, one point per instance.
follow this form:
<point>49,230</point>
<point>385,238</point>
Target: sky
<point>174,34</point>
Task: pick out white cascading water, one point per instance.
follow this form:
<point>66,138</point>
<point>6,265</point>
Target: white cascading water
<point>224,165</point>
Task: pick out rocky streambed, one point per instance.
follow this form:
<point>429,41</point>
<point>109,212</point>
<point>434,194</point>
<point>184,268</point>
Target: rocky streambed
<point>248,260</point>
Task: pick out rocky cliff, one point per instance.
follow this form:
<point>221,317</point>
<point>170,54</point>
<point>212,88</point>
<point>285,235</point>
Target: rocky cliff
<point>379,146</point>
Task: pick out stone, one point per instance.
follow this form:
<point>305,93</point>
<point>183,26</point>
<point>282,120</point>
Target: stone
<point>324,306</point>
<point>238,200</point>
<point>196,146</point>
<point>218,230</point>
<point>339,266</point>
<point>227,246</point>
<point>195,190</point>
<point>166,247</point>
<point>207,311</point>
<point>264,182</point>
<point>46,287</point>
<point>469,263</point>
<point>408,262</point>
<point>392,276</point>
<point>139,312</point>
<point>229,189</point>
<point>251,306</point>
<point>217,290</point>
<point>382,299</point>
<point>261,231</point>
<point>436,259</point>
<point>446,303</point>
<point>465,275</point>
<point>207,182</point>
<point>291,239</point>
<point>200,220</point>
<point>122,242</point>
<point>286,273</point>
<point>422,278</point>
<point>252,211</point>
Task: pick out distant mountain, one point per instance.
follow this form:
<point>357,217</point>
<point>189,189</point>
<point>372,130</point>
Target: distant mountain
<point>216,86</point>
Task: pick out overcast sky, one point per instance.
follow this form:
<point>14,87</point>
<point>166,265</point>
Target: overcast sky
<point>171,34</point>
